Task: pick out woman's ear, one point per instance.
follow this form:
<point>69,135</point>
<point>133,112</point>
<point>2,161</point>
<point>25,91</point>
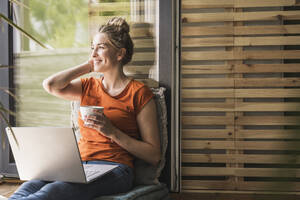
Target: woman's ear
<point>121,54</point>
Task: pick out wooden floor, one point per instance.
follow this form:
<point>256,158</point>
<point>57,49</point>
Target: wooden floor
<point>232,196</point>
<point>6,189</point>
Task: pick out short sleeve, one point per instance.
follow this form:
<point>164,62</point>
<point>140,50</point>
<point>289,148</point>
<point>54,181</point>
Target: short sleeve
<point>85,85</point>
<point>142,97</point>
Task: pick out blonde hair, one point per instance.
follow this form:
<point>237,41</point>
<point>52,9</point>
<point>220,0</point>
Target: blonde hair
<point>117,30</point>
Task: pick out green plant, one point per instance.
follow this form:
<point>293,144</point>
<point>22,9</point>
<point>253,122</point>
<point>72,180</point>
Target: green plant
<point>11,23</point>
<point>51,22</point>
<point>4,111</point>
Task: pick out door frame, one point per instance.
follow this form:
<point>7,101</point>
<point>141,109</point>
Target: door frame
<point>169,77</point>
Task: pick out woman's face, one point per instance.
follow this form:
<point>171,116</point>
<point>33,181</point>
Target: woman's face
<point>104,55</point>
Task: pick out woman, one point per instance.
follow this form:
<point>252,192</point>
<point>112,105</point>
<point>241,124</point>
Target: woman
<point>126,129</point>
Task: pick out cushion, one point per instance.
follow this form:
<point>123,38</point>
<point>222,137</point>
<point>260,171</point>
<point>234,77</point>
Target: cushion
<point>75,105</point>
<point>145,174</point>
<point>147,192</point>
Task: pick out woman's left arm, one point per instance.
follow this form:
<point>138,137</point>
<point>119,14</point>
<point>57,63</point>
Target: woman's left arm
<point>149,148</point>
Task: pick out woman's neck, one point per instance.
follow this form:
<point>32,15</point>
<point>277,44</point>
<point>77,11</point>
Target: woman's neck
<point>115,81</point>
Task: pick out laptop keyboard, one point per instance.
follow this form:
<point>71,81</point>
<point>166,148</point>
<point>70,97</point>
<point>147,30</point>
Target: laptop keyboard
<point>89,170</point>
<point>93,171</point>
<point>90,173</point>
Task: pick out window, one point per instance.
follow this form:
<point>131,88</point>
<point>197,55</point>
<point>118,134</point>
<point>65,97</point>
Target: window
<point>66,29</point>
<point>62,26</point>
<point>5,75</point>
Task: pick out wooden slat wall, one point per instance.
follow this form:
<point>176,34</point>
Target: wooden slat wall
<point>240,95</point>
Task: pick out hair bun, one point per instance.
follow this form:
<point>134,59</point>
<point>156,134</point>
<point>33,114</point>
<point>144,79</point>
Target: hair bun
<point>120,23</point>
<point>117,31</point>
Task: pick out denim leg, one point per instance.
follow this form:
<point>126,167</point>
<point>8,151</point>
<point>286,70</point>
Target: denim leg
<point>118,180</point>
<point>30,189</point>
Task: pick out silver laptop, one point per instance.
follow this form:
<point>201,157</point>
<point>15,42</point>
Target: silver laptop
<point>51,154</point>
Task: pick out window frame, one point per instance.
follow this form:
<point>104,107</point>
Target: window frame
<point>6,81</point>
<point>168,62</point>
<point>169,71</point>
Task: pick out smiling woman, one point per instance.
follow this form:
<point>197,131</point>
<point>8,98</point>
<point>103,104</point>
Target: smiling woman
<point>37,108</point>
<point>127,127</point>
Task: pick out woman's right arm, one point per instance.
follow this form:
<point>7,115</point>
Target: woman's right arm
<point>64,85</point>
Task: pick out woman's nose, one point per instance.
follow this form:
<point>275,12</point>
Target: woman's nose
<point>94,52</point>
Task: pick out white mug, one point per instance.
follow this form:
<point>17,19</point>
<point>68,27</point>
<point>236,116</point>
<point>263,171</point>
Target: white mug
<point>88,110</point>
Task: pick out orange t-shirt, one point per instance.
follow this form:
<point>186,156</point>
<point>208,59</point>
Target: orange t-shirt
<point>122,111</point>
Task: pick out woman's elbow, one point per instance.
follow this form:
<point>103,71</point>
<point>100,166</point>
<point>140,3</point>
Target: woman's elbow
<point>47,85</point>
<point>155,162</point>
<point>156,159</point>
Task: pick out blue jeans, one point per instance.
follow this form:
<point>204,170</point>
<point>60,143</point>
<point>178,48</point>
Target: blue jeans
<point>116,181</point>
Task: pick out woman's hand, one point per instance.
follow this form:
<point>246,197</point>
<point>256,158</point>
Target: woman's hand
<point>91,64</point>
<point>100,123</point>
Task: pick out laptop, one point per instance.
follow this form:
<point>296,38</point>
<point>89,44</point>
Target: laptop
<point>51,154</point>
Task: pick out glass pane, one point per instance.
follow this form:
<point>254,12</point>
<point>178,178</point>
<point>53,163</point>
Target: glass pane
<point>67,28</point>
<point>63,27</point>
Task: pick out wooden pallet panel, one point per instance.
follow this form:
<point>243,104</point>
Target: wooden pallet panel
<point>267,120</point>
<point>206,185</point>
<point>266,82</point>
<point>191,4</point>
<point>244,172</point>
<point>266,68</point>
<point>208,107</point>
<point>240,41</point>
<point>206,69</point>
<point>246,55</point>
<point>242,16</point>
<point>207,120</point>
<point>266,106</point>
<point>207,144</point>
<point>207,82</point>
<point>239,82</point>
<point>267,93</point>
<point>269,134</point>
<point>207,133</point>
<point>241,145</point>
<point>239,68</point>
<point>189,30</point>
<point>241,133</point>
<point>240,158</point>
<point>209,93</point>
<point>252,84</point>
<point>283,186</point>
<point>189,185</point>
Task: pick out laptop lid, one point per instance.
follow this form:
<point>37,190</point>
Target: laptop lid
<point>46,153</point>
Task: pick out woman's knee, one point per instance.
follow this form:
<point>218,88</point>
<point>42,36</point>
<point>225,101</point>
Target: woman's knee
<point>61,190</point>
<point>33,185</point>
<point>28,188</point>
